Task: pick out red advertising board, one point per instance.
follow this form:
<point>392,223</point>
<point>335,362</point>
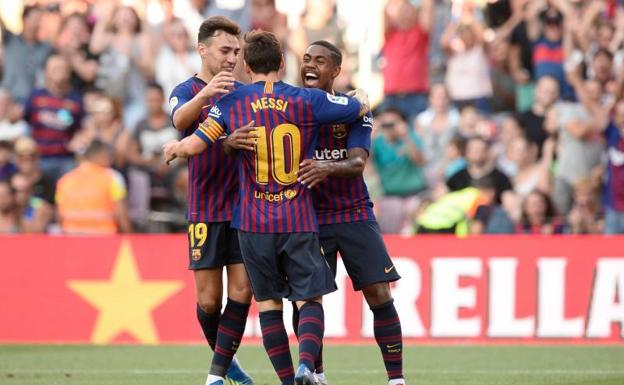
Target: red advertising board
<point>136,289</point>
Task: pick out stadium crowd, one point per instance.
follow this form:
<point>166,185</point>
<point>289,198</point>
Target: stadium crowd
<point>497,117</point>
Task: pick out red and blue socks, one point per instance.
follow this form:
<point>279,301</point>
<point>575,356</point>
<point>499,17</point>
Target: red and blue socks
<point>318,364</point>
<point>387,328</point>
<point>229,335</point>
<point>275,342</point>
<point>310,333</point>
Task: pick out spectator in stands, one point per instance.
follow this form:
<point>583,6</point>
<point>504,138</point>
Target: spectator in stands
<point>503,83</point>
<point>398,158</point>
<point>405,52</point>
<point>467,74</point>
<point>509,130</point>
<point>177,59</point>
<point>437,126</point>
<point>9,222</point>
<point>614,188</point>
<point>24,55</point>
<point>126,59</point>
<point>105,124</point>
<point>73,43</point>
<point>479,165</point>
<point>265,16</point>
<point>10,129</point>
<point>55,115</point>
<point>531,174</point>
<point>91,198</point>
<point>35,213</point>
<point>7,167</point>
<point>539,215</point>
<point>27,161</point>
<point>585,216</point>
<point>532,121</point>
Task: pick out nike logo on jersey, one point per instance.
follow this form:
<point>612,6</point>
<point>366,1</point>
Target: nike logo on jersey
<point>388,269</point>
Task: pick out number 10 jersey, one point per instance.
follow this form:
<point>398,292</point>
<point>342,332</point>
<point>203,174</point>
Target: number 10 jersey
<point>287,121</point>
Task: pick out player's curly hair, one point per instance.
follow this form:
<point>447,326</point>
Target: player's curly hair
<point>262,52</point>
<point>213,24</point>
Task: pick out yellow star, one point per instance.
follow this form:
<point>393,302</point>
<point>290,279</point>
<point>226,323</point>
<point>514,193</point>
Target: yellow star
<point>125,302</point>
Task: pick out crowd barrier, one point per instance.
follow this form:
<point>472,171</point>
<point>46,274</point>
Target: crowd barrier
<point>499,289</point>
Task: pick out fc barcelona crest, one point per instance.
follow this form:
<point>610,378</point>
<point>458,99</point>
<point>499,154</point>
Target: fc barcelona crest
<point>339,131</point>
<point>196,254</point>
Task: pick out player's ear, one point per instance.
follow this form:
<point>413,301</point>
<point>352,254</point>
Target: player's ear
<point>247,68</point>
<point>336,72</point>
<point>201,49</point>
<point>282,61</point>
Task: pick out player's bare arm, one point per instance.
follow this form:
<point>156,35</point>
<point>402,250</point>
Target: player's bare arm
<point>312,172</point>
<point>243,138</point>
<point>185,148</point>
<point>220,84</point>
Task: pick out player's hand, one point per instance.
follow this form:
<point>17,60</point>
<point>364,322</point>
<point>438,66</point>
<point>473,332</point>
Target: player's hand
<point>243,138</point>
<point>312,172</point>
<point>221,83</point>
<point>169,151</point>
<point>362,97</point>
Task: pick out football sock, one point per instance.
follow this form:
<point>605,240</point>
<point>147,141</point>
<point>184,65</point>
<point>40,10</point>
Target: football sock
<point>387,328</point>
<point>209,324</point>
<point>318,364</point>
<point>229,335</point>
<point>275,342</point>
<point>311,329</point>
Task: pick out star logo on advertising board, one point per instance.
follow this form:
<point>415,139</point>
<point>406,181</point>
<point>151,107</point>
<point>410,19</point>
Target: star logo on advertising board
<point>125,302</point>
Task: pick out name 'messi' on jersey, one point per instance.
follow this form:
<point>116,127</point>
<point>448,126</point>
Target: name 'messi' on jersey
<point>267,102</point>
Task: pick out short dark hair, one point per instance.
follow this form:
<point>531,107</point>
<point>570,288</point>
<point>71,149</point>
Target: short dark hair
<point>96,147</point>
<point>389,109</point>
<point>604,52</point>
<point>335,53</point>
<point>155,85</point>
<point>262,52</point>
<point>213,24</point>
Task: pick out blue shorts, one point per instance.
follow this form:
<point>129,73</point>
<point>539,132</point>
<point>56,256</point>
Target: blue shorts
<point>285,265</point>
<point>212,245</point>
<point>363,252</point>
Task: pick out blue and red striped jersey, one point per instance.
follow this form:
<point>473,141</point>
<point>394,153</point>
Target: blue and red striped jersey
<point>213,177</point>
<point>288,121</point>
<point>53,119</point>
<point>336,199</point>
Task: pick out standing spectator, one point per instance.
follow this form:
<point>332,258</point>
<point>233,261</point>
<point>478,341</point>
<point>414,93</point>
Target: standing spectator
<point>467,74</point>
<point>28,166</point>
<point>398,158</point>
<point>614,188</point>
<point>177,60</point>
<point>509,130</point>
<point>24,55</point>
<point>126,59</point>
<point>55,114</point>
<point>503,83</point>
<point>73,43</point>
<point>532,121</point>
<point>10,129</point>
<point>35,213</point>
<point>585,217</point>
<point>90,199</point>
<point>9,222</point>
<point>7,167</point>
<point>539,215</point>
<point>437,125</point>
<point>531,174</point>
<point>479,166</point>
<point>106,124</point>
<point>265,16</point>
<point>405,52</point>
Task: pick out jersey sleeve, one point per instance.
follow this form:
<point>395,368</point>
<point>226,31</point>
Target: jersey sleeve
<point>360,133</point>
<point>211,129</point>
<point>328,108</point>
<point>179,96</point>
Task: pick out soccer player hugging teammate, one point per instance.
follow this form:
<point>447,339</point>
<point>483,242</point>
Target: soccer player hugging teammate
<point>277,222</point>
<point>213,193</point>
<point>344,211</point>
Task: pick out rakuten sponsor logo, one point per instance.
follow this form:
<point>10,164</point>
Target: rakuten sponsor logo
<point>327,154</point>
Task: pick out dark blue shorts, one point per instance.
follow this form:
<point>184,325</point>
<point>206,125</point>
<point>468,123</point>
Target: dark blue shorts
<point>285,265</point>
<point>362,249</point>
<point>212,245</point>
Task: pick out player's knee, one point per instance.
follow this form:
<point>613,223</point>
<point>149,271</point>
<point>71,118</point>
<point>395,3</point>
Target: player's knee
<point>240,293</point>
<point>208,303</point>
<point>377,294</point>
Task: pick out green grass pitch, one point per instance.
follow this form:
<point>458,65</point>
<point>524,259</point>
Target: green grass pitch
<point>345,365</point>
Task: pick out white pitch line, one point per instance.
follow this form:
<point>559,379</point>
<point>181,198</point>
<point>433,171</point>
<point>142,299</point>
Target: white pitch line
<point>517,372</point>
